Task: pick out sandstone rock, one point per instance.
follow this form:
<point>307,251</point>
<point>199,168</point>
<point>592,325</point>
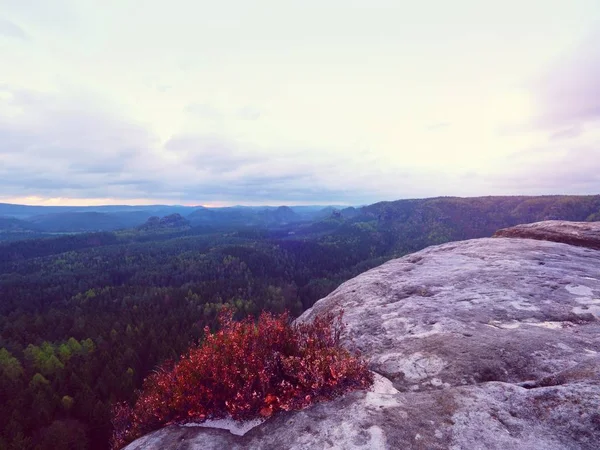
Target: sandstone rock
<point>492,415</point>
<point>583,234</point>
<point>481,344</point>
<point>474,311</point>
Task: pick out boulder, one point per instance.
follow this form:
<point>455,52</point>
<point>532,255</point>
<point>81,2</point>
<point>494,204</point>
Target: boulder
<point>583,234</point>
<point>480,344</point>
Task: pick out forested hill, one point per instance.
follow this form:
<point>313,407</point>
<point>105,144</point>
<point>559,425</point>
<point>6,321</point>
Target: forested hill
<point>28,222</point>
<point>467,215</point>
<point>437,220</point>
<point>85,317</point>
<point>405,226</point>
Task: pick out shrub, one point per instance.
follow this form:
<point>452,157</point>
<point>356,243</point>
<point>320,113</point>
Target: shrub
<point>248,369</point>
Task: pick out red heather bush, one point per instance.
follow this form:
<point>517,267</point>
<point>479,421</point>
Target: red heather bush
<point>246,370</point>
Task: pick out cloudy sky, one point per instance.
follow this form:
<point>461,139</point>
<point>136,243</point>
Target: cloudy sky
<point>296,102</point>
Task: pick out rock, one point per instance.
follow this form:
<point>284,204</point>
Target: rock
<point>489,416</point>
<point>582,234</point>
<point>171,221</point>
<point>474,311</point>
<point>174,221</point>
<point>281,215</point>
<point>481,344</point>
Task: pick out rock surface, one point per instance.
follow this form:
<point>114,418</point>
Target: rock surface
<point>481,344</point>
<point>583,234</point>
<point>473,311</point>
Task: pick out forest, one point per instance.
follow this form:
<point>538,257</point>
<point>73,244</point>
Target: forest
<point>85,317</point>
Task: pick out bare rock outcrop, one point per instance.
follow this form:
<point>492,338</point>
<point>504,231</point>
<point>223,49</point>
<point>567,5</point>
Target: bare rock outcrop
<point>468,312</point>
<point>582,234</point>
<point>481,344</point>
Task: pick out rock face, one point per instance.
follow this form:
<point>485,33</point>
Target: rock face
<point>468,312</point>
<point>481,344</point>
<point>170,221</point>
<point>583,234</point>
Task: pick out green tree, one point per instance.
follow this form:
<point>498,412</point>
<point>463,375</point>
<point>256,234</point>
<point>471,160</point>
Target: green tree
<point>10,367</point>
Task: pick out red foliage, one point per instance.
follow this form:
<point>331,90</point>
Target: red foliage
<point>246,370</point>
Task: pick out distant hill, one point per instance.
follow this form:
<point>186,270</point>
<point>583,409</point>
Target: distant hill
<point>404,226</point>
<point>14,225</point>
<point>12,229</point>
<point>88,221</point>
<point>410,224</point>
<point>170,222</point>
<point>24,211</point>
<point>76,219</point>
<point>281,215</point>
<point>239,216</point>
<point>481,214</point>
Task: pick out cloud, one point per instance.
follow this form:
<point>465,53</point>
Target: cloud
<point>65,145</point>
<point>249,113</point>
<point>567,133</point>
<point>438,126</point>
<point>50,145</point>
<point>204,111</point>
<point>211,152</point>
<point>268,188</point>
<point>12,30</point>
<point>57,15</point>
<point>54,145</point>
<point>568,92</point>
<point>554,169</point>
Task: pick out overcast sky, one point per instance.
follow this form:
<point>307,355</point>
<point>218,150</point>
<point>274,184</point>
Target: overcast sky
<point>292,102</point>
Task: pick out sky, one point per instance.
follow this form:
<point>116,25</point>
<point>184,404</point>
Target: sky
<point>296,102</point>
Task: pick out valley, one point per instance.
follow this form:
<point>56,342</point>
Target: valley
<point>86,316</point>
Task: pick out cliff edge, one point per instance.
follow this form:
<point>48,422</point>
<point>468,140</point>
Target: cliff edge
<point>582,234</point>
<point>489,343</point>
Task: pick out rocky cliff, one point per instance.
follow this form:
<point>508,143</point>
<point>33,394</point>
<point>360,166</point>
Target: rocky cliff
<point>480,344</point>
<point>582,234</point>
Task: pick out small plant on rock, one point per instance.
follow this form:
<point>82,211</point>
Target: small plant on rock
<point>246,370</point>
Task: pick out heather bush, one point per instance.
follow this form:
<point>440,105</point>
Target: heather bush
<point>247,369</point>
